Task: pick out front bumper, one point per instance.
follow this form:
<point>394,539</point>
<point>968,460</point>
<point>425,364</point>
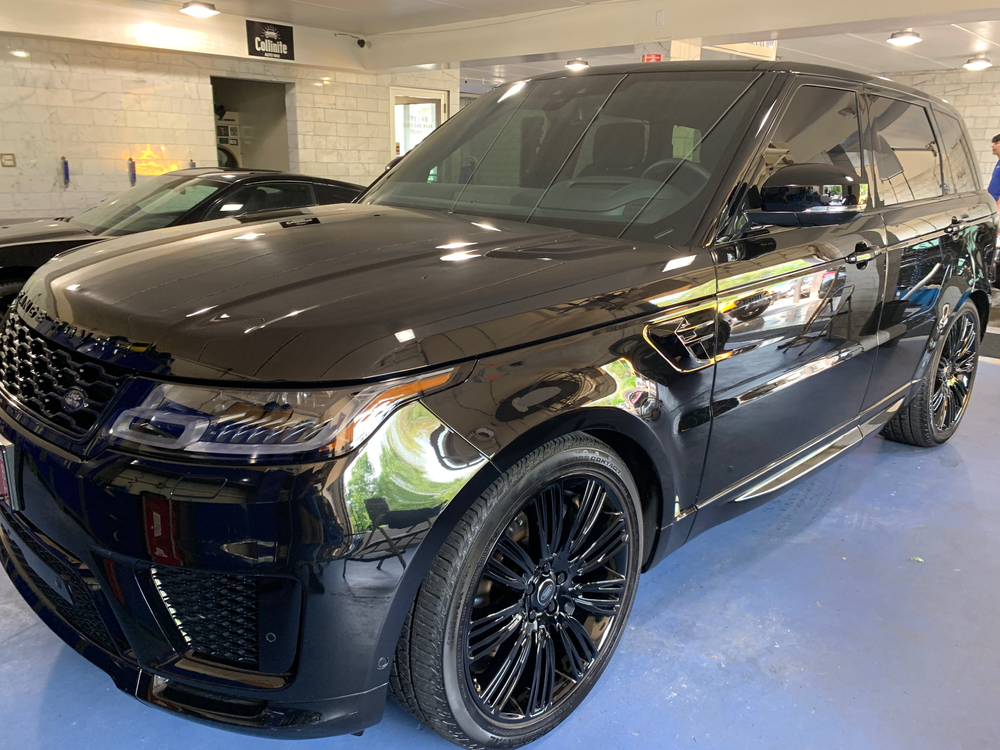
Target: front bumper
<point>260,599</point>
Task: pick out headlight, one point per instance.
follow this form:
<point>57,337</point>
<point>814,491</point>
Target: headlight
<point>248,423</point>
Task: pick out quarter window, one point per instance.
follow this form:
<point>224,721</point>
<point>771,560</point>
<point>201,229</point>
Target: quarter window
<point>906,152</point>
<point>956,155</point>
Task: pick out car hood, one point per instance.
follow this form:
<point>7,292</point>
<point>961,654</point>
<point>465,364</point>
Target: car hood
<point>39,230</point>
<point>343,293</point>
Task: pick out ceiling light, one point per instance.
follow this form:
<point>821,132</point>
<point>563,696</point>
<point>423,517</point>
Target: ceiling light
<point>199,10</point>
<point>20,53</point>
<point>577,64</point>
<point>455,245</point>
<point>904,38</point>
<point>979,62</point>
<point>404,336</point>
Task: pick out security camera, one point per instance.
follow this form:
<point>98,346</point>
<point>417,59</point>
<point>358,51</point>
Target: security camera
<point>362,43</point>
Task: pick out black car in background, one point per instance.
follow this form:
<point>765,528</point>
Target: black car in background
<point>185,196</point>
<point>265,473</point>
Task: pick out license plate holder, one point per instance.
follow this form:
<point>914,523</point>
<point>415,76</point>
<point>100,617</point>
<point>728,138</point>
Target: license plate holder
<point>39,567</point>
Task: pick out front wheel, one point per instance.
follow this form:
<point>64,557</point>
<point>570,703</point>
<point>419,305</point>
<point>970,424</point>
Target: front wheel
<point>527,600</point>
<point>934,413</point>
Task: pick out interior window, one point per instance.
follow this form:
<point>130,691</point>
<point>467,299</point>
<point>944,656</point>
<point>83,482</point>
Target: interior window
<point>906,152</point>
<point>264,196</point>
<point>956,155</point>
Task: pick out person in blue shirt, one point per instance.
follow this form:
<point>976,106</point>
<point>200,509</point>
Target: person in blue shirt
<point>994,188</point>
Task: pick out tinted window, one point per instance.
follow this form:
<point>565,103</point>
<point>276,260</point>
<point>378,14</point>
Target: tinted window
<point>155,204</point>
<point>604,154</point>
<point>906,152</point>
<point>820,126</point>
<point>264,196</point>
<point>956,155</point>
<point>332,194</point>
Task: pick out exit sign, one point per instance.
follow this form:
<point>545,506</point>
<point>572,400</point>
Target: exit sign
<point>652,58</point>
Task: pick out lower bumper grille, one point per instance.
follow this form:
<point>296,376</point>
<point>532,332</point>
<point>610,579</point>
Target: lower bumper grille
<point>81,613</point>
<point>217,616</point>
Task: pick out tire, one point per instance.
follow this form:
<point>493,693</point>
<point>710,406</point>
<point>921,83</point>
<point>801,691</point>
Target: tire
<point>522,559</point>
<point>936,411</point>
<point>8,293</point>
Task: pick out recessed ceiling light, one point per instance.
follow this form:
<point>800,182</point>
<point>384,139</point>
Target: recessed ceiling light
<point>904,38</point>
<point>577,64</point>
<point>20,53</point>
<point>199,10</point>
<point>979,62</point>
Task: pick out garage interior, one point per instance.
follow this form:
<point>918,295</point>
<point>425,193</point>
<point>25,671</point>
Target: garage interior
<point>854,611</point>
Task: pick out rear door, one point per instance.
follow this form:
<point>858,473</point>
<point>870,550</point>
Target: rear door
<point>921,219</point>
<point>797,313</point>
<point>976,236</point>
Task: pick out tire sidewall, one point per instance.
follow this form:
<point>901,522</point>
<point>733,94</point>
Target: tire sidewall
<point>967,307</point>
<point>515,491</point>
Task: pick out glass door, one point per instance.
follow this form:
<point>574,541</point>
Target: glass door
<point>415,115</point>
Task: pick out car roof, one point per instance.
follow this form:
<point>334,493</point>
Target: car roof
<point>693,66</point>
<point>243,174</point>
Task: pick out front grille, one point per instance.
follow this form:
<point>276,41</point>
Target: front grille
<point>82,613</point>
<point>215,615</point>
<point>39,374</point>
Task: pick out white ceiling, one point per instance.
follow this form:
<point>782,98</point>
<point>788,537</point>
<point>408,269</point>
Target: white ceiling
<point>945,46</point>
<point>380,16</point>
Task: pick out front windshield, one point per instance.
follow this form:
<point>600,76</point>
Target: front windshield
<point>616,155</point>
<point>154,204</point>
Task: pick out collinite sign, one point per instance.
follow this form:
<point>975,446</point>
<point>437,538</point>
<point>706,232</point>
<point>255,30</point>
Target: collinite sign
<point>270,40</point>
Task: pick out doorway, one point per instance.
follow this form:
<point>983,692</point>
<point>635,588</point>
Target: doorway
<point>415,115</point>
<point>251,124</point>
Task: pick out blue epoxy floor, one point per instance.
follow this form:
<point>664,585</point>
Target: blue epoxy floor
<point>804,624</point>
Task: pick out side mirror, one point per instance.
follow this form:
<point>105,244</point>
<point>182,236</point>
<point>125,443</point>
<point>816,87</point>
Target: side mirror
<point>393,163</point>
<point>810,195</point>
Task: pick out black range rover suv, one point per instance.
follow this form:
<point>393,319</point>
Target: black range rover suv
<point>264,473</point>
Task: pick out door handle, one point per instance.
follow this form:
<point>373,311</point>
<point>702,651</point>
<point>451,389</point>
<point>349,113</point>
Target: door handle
<point>863,253</point>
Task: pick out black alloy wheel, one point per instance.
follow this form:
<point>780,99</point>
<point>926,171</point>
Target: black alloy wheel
<point>955,372</point>
<point>942,396</point>
<point>546,597</point>
<point>527,600</point>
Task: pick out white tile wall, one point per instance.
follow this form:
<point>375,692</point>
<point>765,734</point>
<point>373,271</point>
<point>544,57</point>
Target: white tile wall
<point>98,105</point>
<point>976,95</point>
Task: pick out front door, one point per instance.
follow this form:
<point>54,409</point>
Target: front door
<point>798,312</point>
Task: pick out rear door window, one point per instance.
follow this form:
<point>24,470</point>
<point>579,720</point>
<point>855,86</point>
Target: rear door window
<point>906,152</point>
<point>954,149</point>
<point>326,194</point>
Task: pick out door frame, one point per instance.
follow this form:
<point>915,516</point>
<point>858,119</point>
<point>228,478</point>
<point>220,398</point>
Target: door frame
<point>441,95</point>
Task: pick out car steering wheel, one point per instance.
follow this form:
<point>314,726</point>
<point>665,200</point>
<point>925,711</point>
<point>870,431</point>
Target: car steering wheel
<point>703,174</point>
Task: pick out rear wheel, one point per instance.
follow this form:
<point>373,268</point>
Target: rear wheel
<point>935,412</point>
<point>526,601</point>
